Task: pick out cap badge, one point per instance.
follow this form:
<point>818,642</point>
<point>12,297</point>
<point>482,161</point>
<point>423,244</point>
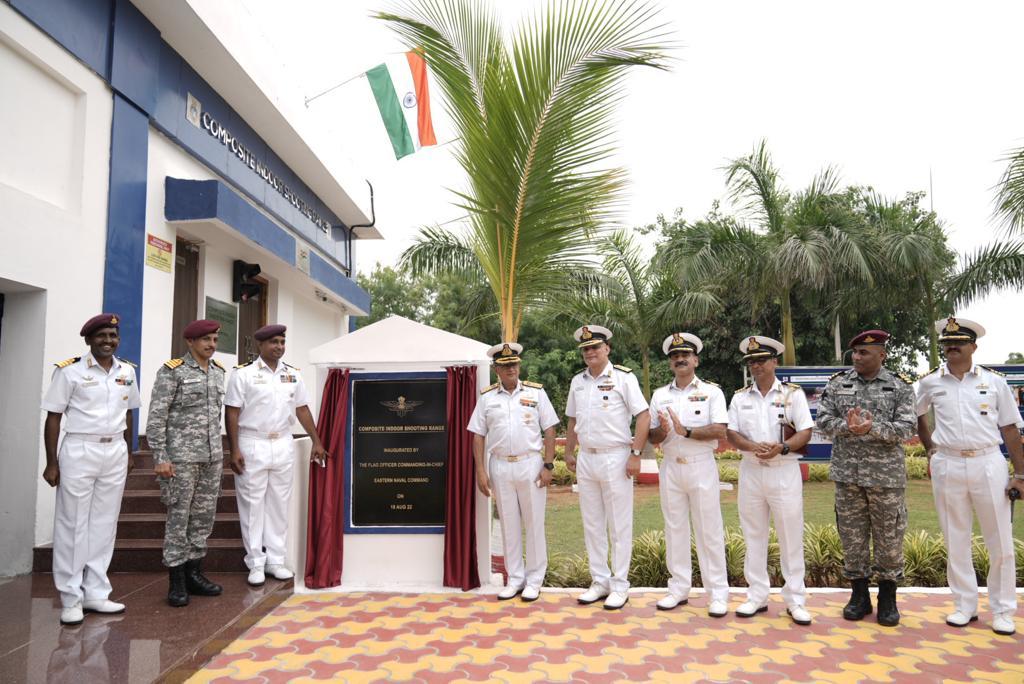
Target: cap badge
<point>677,339</point>
<point>586,334</point>
<point>952,325</point>
<point>753,344</point>
<point>506,350</point>
<point>869,339</point>
<point>113,320</point>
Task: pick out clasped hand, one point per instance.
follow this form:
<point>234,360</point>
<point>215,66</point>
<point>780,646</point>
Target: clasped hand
<point>858,421</point>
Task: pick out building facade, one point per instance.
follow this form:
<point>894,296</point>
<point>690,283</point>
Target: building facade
<point>144,170</point>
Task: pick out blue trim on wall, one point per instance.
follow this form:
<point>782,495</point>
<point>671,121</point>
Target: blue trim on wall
<point>347,469</point>
<point>135,56</point>
<point>83,27</point>
<point>337,282</point>
<point>126,225</point>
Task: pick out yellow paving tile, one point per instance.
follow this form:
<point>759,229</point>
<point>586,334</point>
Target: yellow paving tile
<point>874,671</point>
<point>517,677</point>
<point>950,646</point>
<point>436,663</point>
<point>482,656</point>
<point>594,664</point>
<point>998,677</point>
<point>783,656</point>
<point>333,655</point>
<point>715,672</point>
<point>208,675</point>
<point>556,672</point>
<point>401,672</point>
<point>928,655</point>
<point>845,677</point>
<point>748,663</point>
<point>811,649</point>
<point>630,656</point>
<point>518,649</point>
<point>680,677</point>
<point>904,664</point>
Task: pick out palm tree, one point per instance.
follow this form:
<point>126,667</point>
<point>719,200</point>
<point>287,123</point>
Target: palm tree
<point>810,240</point>
<point>1010,193</point>
<point>533,118</point>
<point>638,301</point>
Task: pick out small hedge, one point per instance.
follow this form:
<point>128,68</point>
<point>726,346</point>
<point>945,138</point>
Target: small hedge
<point>924,554</point>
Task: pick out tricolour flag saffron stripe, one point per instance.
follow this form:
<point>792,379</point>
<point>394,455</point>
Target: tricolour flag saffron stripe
<point>403,99</point>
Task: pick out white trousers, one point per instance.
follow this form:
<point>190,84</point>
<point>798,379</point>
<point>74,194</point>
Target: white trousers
<point>606,505</point>
<point>521,506</point>
<point>774,491</point>
<point>690,491</point>
<point>92,476</point>
<point>959,484</point>
<point>263,492</point>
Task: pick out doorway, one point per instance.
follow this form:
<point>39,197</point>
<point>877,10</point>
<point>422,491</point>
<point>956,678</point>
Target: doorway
<point>252,315</point>
<point>186,293</point>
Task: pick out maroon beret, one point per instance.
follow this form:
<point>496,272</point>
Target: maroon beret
<point>200,328</point>
<point>105,320</point>
<point>879,337</point>
<point>268,331</point>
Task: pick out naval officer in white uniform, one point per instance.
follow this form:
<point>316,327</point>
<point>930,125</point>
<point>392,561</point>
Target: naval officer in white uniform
<point>769,422</point>
<point>975,411</point>
<point>603,400</point>
<point>690,417</point>
<point>94,394</point>
<point>264,398</point>
<point>515,421</point>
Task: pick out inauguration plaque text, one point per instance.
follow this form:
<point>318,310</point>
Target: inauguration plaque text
<point>399,453</point>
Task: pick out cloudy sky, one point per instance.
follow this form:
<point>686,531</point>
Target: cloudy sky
<point>898,95</point>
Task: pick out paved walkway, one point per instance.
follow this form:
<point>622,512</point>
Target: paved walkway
<point>465,637</point>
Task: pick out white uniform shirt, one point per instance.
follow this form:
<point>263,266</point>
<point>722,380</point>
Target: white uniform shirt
<point>698,404</point>
<point>93,400</point>
<point>758,418</point>
<point>513,421</point>
<point>604,407</point>
<point>968,412</point>
<point>267,398</point>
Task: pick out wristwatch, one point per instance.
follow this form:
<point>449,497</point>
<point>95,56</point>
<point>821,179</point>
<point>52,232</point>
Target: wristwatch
<point>785,449</point>
<point>688,433</point>
<point>635,452</point>
<point>549,466</point>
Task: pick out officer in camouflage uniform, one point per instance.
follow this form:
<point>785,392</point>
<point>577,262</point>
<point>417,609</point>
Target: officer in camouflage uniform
<point>868,412</point>
<point>184,433</point>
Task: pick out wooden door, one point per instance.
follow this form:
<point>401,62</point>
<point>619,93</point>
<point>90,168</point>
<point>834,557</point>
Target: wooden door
<point>186,293</point>
<point>252,315</point>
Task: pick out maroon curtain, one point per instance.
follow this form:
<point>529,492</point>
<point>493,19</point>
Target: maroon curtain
<point>324,529</point>
<point>460,566</point>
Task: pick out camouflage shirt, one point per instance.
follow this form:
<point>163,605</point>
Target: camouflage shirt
<point>184,412</point>
<point>875,459</point>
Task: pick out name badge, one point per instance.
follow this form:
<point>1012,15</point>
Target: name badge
<point>92,383</point>
<point>606,388</point>
<point>847,392</point>
<point>192,381</point>
<point>528,402</point>
<point>940,393</point>
<point>259,380</point>
<point>747,407</point>
<point>288,378</point>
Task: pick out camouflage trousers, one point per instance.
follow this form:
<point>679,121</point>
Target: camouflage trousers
<point>191,500</point>
<point>871,516</point>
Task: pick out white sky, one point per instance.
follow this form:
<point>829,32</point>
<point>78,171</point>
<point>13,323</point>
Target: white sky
<point>886,91</point>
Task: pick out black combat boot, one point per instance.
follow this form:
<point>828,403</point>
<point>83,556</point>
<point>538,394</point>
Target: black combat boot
<point>888,615</point>
<point>860,601</point>
<point>177,595</point>
<point>196,583</point>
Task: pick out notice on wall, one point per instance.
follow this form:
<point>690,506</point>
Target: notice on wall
<point>159,253</point>
<point>399,454</point>
<point>226,314</point>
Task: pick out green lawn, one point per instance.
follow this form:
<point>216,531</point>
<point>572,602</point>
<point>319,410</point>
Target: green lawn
<point>565,528</point>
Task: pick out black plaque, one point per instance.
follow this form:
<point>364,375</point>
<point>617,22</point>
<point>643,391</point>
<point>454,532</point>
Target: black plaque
<point>399,453</point>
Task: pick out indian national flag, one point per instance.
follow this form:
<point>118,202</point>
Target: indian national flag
<point>403,98</point>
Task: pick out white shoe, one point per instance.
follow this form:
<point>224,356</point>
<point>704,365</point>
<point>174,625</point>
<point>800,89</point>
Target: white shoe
<point>102,606</point>
<point>72,615</point>
<point>718,609</point>
<point>749,609</point>
<point>799,614</point>
<point>616,600</point>
<point>256,577</point>
<point>670,601</point>
<point>595,593</point>
<point>530,594</point>
<point>960,619</point>
<point>280,572</point>
<point>509,592</point>
<point>1003,624</point>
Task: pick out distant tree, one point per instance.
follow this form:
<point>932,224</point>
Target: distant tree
<point>1015,358</point>
<point>394,292</point>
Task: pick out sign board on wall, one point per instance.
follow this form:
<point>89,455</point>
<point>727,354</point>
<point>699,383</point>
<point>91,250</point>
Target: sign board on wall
<point>159,253</point>
<point>396,453</point>
<point>226,314</point>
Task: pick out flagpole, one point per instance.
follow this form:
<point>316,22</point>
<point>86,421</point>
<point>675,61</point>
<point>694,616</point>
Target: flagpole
<point>333,88</point>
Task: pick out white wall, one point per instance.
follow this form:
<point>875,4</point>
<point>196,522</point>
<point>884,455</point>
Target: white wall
<point>55,147</point>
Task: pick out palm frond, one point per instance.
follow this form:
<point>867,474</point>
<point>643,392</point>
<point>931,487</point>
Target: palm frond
<point>753,185</point>
<point>1010,193</point>
<point>989,268</point>
<point>436,250</point>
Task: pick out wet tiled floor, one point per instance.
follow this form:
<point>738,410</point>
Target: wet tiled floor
<point>462,637</point>
<point>149,640</point>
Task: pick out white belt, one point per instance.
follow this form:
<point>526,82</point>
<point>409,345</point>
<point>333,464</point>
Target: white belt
<point>696,458</point>
<point>603,450</point>
<point>968,453</point>
<point>263,435</point>
<point>768,462</point>
<point>102,439</point>
<point>516,457</point>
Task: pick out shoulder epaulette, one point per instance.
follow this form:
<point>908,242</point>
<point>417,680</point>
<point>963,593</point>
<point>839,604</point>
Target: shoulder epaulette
<point>713,384</point>
<point>582,371</point>
<point>791,385</point>
<point>624,369</point>
<point>743,389</point>
<point>925,375</point>
<point>288,365</point>
<point>530,383</point>
<point>67,362</point>
<point>243,365</point>
<point>837,374</point>
<point>127,362</point>
<point>487,389</point>
<point>174,363</point>
<point>993,370</point>
<point>905,378</point>
<point>217,363</point>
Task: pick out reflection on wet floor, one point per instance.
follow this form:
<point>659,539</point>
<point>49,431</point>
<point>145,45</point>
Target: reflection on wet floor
<point>149,640</point>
